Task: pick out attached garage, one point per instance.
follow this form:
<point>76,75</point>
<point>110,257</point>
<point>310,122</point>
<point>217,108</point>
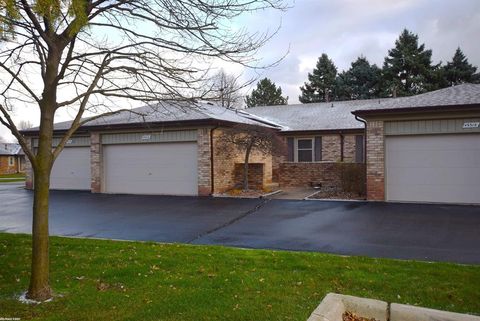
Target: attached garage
<point>151,163</point>
<point>71,170</point>
<point>442,168</point>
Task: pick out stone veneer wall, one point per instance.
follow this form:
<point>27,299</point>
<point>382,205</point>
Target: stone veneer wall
<point>375,161</point>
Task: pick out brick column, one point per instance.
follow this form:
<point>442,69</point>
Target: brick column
<point>375,161</point>
<point>96,167</point>
<point>28,166</point>
<point>204,162</point>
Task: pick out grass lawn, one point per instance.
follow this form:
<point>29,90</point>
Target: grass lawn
<point>109,280</point>
<point>19,177</point>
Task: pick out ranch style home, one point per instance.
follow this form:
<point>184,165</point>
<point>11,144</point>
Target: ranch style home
<point>423,148</point>
<point>12,159</point>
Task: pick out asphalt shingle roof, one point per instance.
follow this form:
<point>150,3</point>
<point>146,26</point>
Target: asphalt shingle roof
<point>335,115</point>
<point>169,112</point>
<point>338,114</point>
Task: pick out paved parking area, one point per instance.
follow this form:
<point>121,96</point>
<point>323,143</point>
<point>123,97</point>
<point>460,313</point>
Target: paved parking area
<point>404,231</point>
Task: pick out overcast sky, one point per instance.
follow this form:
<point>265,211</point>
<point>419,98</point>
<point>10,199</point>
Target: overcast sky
<point>346,29</point>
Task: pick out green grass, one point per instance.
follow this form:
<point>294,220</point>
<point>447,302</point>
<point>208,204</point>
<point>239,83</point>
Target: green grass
<point>109,280</point>
<point>7,178</point>
<point>17,175</point>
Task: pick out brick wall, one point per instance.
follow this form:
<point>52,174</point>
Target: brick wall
<point>326,174</point>
<point>331,151</point>
<point>225,158</point>
<point>96,163</point>
<point>204,162</point>
<point>349,146</point>
<point>5,167</point>
<point>255,175</point>
<point>375,161</point>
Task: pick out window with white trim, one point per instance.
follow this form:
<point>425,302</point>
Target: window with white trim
<point>304,151</point>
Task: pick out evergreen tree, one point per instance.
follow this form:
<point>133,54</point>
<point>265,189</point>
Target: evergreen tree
<point>408,69</point>
<point>266,94</point>
<point>459,70</point>
<point>321,83</point>
<point>361,81</point>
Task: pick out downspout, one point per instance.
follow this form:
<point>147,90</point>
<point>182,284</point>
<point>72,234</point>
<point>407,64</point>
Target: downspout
<point>364,147</point>
<point>212,181</point>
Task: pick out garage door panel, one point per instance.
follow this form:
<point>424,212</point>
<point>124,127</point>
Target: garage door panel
<point>165,168</point>
<point>71,170</point>
<point>433,168</point>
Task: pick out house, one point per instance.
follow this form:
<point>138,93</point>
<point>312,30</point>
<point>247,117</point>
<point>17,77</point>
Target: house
<point>422,148</point>
<point>12,159</point>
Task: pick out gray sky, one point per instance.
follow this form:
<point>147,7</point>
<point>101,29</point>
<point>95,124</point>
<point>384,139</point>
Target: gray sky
<point>345,29</point>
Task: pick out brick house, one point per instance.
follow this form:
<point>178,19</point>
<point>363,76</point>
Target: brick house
<point>407,147</point>
<point>12,159</point>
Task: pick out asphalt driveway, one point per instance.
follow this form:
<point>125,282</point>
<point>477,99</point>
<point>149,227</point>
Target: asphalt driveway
<point>406,231</point>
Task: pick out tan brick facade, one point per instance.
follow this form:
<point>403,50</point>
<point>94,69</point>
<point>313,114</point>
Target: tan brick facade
<point>375,161</point>
<point>349,148</point>
<point>204,162</point>
<point>6,167</point>
<point>224,165</point>
<point>325,174</point>
<point>331,148</point>
<point>96,163</point>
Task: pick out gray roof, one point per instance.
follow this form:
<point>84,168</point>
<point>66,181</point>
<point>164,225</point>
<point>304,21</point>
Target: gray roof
<point>171,112</point>
<point>338,114</point>
<point>335,115</point>
<point>10,149</point>
<point>460,95</point>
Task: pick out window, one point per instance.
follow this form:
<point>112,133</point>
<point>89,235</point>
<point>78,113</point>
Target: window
<point>11,161</point>
<point>305,150</point>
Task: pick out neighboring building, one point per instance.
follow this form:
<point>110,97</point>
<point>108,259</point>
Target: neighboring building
<point>421,148</point>
<point>12,159</point>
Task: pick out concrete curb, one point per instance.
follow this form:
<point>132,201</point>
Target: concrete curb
<point>334,305</point>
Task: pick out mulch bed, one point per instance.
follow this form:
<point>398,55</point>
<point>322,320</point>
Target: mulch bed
<point>336,194</point>
<point>349,316</point>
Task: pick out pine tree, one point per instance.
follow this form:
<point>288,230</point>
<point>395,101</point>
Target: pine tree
<point>266,94</point>
<point>459,70</point>
<point>320,87</point>
<point>408,69</point>
<point>361,81</point>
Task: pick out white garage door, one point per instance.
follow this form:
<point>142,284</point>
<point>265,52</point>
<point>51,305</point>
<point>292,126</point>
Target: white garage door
<point>71,170</point>
<point>433,168</point>
<point>164,168</point>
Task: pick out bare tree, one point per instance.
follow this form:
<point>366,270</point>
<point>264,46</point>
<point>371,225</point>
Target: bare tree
<point>24,124</point>
<point>226,89</point>
<point>251,138</point>
<point>88,55</point>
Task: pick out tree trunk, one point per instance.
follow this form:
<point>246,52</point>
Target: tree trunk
<point>245,168</point>
<point>39,288</point>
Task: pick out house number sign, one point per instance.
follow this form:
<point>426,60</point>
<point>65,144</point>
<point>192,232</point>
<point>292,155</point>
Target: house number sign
<point>471,125</point>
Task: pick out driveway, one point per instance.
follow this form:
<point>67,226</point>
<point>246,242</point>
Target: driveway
<point>404,231</point>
